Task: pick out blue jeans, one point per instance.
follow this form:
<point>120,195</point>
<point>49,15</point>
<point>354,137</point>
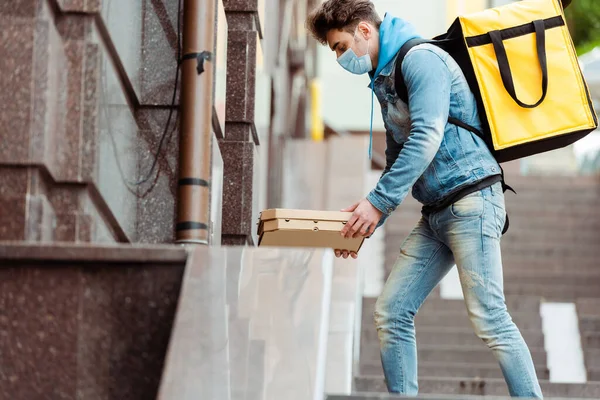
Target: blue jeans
<point>467,233</point>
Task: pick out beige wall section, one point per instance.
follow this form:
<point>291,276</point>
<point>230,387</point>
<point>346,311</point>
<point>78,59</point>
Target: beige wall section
<point>455,8</point>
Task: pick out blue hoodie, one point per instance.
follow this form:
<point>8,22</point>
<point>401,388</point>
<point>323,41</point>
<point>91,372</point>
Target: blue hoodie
<point>393,34</point>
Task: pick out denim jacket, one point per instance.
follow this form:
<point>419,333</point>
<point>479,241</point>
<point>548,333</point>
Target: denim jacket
<point>437,158</point>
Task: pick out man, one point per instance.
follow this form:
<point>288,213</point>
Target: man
<point>451,172</point>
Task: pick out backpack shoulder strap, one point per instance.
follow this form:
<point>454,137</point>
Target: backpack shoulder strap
<point>399,84</point>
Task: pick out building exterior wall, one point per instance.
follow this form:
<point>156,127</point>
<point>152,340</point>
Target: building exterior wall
<point>95,82</point>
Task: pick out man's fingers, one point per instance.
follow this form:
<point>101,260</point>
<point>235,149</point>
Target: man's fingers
<point>347,228</point>
<point>359,229</point>
<point>355,228</point>
<point>345,254</point>
<point>370,230</point>
<point>364,230</point>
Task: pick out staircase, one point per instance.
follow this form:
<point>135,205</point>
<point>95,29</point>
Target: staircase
<point>550,254</point>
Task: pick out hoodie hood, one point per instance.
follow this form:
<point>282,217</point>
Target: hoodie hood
<point>393,34</point>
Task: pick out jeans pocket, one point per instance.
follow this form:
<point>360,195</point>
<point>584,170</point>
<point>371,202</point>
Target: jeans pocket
<point>500,214</point>
<point>470,206</point>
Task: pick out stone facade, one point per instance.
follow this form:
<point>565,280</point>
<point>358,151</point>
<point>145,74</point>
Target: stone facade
<point>86,91</point>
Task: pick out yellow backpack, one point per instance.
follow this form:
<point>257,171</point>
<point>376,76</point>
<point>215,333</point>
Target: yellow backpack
<point>522,67</point>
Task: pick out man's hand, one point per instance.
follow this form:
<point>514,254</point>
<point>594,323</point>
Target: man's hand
<point>345,254</point>
<point>364,220</point>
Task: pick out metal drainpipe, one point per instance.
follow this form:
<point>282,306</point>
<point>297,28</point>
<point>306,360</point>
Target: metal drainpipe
<point>195,138</point>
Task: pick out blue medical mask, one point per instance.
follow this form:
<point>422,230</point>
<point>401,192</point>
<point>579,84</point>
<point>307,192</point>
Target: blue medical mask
<point>354,64</point>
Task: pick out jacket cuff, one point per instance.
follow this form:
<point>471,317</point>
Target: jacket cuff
<point>380,203</point>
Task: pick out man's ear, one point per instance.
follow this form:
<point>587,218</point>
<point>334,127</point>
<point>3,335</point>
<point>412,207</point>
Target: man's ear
<point>366,29</point>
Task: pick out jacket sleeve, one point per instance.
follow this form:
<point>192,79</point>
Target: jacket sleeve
<point>428,81</point>
<point>392,149</point>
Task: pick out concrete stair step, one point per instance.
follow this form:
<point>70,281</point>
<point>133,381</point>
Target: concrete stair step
<point>386,396</point>
<point>523,221</point>
<point>589,306</point>
<point>557,268</point>
<point>591,277</point>
<point>470,370</point>
<point>481,387</point>
<point>537,274</point>
<point>554,246</point>
<point>533,238</point>
<point>553,249</point>
<point>437,335</point>
<point>441,319</point>
<point>514,304</point>
<point>549,282</point>
<point>592,358</point>
<point>590,340</point>
<point>447,319</point>
<point>458,354</point>
<point>593,374</point>
<point>456,320</point>
<point>517,259</point>
<point>452,369</point>
<point>589,324</point>
<point>537,237</point>
<point>578,262</point>
<point>523,252</point>
<point>450,337</point>
<point>522,263</point>
<point>551,292</point>
<point>549,226</point>
<point>548,265</point>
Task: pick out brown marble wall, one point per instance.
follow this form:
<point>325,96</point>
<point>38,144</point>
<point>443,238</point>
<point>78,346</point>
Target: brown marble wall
<point>13,193</point>
<point>237,147</point>
<point>238,161</point>
<point>98,320</point>
<point>33,64</point>
<point>75,158</point>
<point>86,88</point>
<point>37,208</point>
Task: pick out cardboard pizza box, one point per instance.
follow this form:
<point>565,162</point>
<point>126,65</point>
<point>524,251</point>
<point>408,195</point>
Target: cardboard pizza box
<point>305,228</point>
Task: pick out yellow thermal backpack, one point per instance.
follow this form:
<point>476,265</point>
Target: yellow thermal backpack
<point>521,65</point>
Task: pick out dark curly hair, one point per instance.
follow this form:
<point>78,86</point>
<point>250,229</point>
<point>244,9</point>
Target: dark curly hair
<point>341,15</point>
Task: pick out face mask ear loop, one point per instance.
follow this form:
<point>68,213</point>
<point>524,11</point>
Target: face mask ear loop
<point>371,128</point>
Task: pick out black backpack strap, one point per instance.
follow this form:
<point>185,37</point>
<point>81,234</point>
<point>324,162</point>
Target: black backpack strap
<point>400,85</point>
<point>392,151</point>
<point>505,188</point>
<point>392,147</point>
